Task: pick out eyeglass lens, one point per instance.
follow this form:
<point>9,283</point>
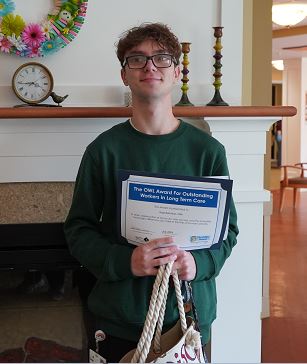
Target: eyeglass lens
<point>159,61</point>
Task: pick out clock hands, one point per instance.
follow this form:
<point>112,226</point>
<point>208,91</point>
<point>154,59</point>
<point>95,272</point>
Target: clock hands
<point>26,83</point>
<point>35,84</point>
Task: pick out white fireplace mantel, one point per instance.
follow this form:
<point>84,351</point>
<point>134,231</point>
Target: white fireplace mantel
<point>236,333</point>
<point>46,145</point>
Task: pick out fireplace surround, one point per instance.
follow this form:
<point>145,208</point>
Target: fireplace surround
<point>39,150</point>
<point>31,226</point>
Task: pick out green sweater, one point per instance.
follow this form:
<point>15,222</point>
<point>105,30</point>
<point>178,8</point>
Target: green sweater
<point>119,299</point>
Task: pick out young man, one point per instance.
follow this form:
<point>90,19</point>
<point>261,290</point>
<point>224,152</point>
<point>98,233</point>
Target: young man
<point>153,140</point>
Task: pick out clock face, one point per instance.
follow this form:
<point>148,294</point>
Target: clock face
<point>32,83</point>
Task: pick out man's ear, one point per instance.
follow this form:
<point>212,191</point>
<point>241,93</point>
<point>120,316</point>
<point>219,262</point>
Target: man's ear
<point>123,75</point>
<point>177,73</point>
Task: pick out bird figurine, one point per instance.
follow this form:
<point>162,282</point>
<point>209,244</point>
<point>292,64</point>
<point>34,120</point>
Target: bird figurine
<point>57,98</point>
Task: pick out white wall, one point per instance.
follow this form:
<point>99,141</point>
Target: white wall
<point>291,127</point>
<point>88,69</point>
<point>294,129</point>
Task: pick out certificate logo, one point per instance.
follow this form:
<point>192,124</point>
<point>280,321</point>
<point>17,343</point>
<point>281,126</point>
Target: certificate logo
<point>202,238</point>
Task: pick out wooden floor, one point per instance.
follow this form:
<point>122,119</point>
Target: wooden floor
<point>284,333</point>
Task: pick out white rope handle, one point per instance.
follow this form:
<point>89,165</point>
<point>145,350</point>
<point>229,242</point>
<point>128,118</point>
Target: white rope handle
<point>156,312</point>
<point>183,321</point>
<point>157,308</point>
<point>157,338</point>
<point>156,301</point>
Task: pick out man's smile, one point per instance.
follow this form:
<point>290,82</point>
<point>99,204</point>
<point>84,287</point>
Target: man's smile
<point>150,79</point>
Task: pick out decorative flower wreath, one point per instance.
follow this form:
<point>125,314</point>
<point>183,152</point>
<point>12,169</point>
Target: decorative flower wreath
<point>58,29</point>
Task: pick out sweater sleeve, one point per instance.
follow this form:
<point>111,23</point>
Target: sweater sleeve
<point>210,262</point>
<point>98,252</point>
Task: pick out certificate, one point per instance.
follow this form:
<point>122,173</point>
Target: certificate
<point>194,211</point>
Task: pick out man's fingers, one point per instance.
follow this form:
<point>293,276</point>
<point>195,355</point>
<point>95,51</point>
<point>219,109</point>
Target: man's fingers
<point>164,260</point>
<point>185,266</point>
<point>161,252</point>
<point>147,257</point>
<point>159,242</point>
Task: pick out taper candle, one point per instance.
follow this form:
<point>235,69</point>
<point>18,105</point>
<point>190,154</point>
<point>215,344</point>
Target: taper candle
<point>218,13</point>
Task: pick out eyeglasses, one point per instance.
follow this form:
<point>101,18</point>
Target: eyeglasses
<point>140,61</point>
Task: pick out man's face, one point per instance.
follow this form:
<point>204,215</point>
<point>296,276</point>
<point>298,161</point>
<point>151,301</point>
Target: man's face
<point>66,15</point>
<point>150,82</point>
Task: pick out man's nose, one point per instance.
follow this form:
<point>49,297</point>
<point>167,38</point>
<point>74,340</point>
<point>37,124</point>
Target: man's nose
<point>150,65</point>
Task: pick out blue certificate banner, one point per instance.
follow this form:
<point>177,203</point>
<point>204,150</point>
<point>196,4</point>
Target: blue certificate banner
<point>173,195</point>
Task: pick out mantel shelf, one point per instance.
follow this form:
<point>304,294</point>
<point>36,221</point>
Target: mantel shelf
<point>122,112</point>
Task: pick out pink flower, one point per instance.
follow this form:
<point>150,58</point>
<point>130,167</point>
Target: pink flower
<point>83,8</point>
<point>5,44</point>
<point>33,35</point>
<point>34,52</point>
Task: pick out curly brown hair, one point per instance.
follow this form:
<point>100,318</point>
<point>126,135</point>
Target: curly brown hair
<point>158,32</point>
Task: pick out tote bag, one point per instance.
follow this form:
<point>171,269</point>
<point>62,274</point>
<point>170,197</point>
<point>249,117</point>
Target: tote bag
<point>181,344</point>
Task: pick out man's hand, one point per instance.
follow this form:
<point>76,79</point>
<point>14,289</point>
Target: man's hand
<point>147,258</point>
<point>185,265</point>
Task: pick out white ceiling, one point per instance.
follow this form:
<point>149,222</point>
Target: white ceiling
<point>300,41</point>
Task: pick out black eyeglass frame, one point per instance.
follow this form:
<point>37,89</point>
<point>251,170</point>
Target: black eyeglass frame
<point>126,62</point>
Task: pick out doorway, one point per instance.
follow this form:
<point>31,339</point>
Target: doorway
<point>276,130</point>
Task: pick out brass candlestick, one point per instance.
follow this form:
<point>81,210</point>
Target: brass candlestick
<point>184,101</point>
<point>217,98</point>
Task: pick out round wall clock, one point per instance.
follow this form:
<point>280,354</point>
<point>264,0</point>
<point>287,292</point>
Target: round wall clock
<point>32,83</point>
